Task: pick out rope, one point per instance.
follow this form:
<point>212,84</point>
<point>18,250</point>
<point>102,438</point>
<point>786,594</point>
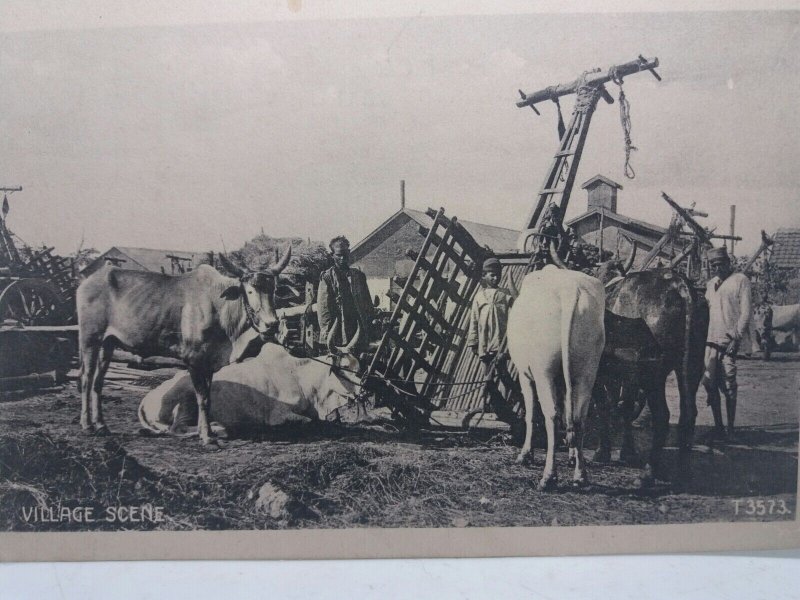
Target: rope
<point>462,395</point>
<point>586,95</point>
<point>561,127</point>
<point>390,380</point>
<point>625,120</point>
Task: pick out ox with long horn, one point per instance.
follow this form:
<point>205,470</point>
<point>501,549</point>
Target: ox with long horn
<point>340,350</point>
<point>230,266</point>
<point>555,257</point>
<point>629,263</point>
<point>278,267</point>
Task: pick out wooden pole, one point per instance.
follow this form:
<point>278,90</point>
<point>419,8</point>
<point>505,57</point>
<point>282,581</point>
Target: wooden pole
<point>402,193</point>
<point>733,228</point>
<point>602,226</point>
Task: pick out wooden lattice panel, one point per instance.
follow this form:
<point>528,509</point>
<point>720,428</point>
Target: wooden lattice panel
<point>418,350</point>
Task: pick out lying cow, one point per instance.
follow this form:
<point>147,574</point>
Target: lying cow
<point>555,338</point>
<point>199,317</point>
<point>271,389</point>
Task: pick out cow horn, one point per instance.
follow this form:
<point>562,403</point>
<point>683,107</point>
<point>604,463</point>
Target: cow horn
<point>555,257</point>
<point>329,338</point>
<point>512,285</point>
<point>629,263</point>
<point>229,266</point>
<point>281,265</point>
<point>353,342</point>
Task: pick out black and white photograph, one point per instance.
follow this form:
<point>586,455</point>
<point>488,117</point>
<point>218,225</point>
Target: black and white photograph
<point>288,268</point>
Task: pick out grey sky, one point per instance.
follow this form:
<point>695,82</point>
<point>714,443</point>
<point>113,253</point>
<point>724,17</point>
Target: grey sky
<point>176,136</point>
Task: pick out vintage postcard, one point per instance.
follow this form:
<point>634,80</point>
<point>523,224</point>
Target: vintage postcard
<point>285,281</point>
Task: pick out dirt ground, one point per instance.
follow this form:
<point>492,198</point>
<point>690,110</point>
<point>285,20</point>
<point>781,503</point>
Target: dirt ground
<point>371,475</point>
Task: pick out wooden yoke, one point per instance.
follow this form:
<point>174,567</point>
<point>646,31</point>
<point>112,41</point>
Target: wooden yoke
<point>588,88</point>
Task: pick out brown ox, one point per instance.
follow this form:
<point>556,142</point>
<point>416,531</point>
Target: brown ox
<point>198,317</point>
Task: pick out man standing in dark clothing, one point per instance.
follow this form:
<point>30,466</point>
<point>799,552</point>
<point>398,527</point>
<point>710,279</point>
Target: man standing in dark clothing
<point>343,298</point>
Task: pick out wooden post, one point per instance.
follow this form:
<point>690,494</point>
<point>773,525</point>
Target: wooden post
<point>602,226</point>
<point>733,228</point>
<point>402,194</point>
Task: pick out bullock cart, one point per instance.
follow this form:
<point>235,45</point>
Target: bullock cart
<point>35,290</point>
<point>37,313</point>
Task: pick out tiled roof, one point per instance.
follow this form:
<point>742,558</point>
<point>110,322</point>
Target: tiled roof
<point>786,250</point>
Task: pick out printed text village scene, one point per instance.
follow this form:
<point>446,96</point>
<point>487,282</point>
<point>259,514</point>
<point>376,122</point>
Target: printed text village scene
<point>576,363</point>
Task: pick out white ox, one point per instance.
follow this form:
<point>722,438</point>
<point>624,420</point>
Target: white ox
<point>555,338</point>
<point>274,388</point>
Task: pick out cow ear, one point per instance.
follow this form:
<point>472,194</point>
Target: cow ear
<point>231,293</point>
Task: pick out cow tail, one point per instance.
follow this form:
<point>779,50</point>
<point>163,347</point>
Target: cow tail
<point>568,308</point>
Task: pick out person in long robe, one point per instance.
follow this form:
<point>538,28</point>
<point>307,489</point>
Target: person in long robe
<point>343,298</point>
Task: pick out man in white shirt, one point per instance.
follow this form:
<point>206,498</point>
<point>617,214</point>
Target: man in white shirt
<point>730,308</point>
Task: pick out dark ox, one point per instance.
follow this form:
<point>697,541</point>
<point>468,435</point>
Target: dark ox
<point>198,317</point>
<point>655,324</point>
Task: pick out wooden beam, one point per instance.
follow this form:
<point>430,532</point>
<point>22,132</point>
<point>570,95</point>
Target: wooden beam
<point>597,78</point>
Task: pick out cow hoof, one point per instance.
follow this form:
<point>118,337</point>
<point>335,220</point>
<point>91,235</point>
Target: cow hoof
<point>602,456</point>
<point>102,431</point>
<point>580,482</point>
<point>524,458</point>
<point>211,443</point>
<point>547,485</point>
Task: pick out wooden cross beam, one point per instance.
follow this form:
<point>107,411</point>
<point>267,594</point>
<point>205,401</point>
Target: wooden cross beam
<point>596,78</point>
<point>687,217</point>
<point>766,242</point>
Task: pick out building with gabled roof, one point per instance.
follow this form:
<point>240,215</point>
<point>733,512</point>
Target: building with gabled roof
<point>602,225</point>
<point>786,249</point>
<point>170,262</point>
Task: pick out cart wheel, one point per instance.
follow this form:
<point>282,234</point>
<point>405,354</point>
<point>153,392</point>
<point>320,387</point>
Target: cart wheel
<point>31,302</point>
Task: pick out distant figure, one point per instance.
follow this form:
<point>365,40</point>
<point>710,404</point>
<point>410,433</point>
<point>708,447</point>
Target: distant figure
<point>763,327</point>
<point>730,310</point>
<point>343,298</point>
